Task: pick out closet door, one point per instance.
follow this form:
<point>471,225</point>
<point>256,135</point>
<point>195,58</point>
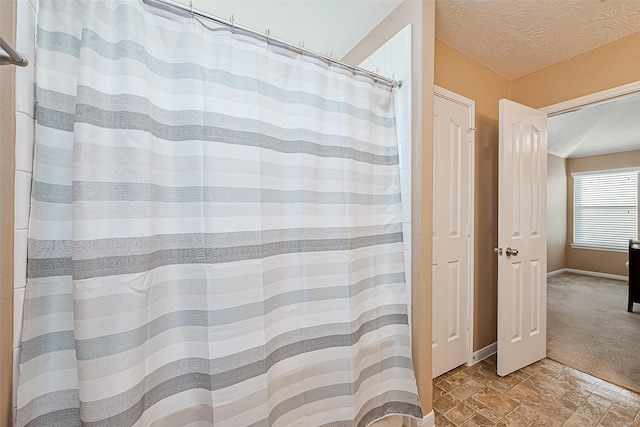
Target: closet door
<point>453,159</point>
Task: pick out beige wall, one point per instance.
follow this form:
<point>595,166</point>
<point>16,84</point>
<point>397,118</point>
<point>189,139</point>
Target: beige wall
<point>461,74</point>
<point>608,66</point>
<point>556,212</point>
<point>588,259</point>
<point>421,16</point>
<point>7,138</point>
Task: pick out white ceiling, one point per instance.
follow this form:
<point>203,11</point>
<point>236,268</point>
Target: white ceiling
<point>609,127</point>
<point>325,26</point>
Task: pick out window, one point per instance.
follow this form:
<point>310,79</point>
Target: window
<point>605,208</point>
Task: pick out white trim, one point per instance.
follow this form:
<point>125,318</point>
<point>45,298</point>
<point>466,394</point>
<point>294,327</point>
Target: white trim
<point>471,105</point>
<point>483,353</point>
<point>591,99</point>
<point>597,274</point>
<point>428,420</point>
<point>472,238</point>
<point>606,171</point>
<point>452,96</point>
<point>598,248</point>
<point>556,272</point>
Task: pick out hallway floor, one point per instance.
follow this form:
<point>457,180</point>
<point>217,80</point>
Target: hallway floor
<point>545,393</point>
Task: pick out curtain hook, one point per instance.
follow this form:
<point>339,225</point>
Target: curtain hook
<point>233,24</point>
<point>268,33</point>
<point>191,7</point>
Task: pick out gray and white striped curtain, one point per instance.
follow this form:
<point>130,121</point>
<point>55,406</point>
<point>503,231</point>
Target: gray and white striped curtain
<point>215,233</point>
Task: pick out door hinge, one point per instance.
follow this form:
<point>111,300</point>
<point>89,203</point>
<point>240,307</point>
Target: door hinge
<point>470,133</point>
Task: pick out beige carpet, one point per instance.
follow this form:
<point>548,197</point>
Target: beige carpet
<point>589,328</point>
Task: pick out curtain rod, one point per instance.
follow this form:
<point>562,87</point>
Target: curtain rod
<point>266,36</point>
<point>13,56</point>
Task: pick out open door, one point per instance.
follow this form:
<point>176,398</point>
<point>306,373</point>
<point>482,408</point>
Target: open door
<point>522,237</point>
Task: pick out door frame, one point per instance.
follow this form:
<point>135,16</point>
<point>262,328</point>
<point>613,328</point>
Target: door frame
<point>470,105</point>
<point>591,99</point>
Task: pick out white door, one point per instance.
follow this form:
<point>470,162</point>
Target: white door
<point>522,237</point>
<point>452,236</point>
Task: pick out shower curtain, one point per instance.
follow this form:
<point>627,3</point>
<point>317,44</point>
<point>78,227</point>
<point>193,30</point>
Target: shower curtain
<point>215,232</point>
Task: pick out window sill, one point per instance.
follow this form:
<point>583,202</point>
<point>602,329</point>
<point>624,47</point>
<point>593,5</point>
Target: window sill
<point>599,248</point>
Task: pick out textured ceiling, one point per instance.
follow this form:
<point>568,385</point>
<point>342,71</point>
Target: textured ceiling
<point>517,37</point>
<point>597,129</point>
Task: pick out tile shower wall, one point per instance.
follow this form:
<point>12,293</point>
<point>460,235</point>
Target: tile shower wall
<point>25,88</point>
<point>393,59</point>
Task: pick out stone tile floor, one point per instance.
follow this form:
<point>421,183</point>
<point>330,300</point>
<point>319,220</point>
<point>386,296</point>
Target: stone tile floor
<point>545,393</point>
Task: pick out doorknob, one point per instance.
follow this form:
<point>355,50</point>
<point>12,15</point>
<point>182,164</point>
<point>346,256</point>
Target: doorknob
<point>511,252</point>
<point>498,251</point>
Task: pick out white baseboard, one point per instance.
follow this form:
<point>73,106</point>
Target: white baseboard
<point>556,272</point>
<point>483,353</point>
<point>588,273</point>
<point>428,420</point>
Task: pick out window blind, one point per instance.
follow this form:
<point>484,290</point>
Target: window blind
<point>605,209</point>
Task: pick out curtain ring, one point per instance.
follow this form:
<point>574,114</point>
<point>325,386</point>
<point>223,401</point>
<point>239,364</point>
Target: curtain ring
<point>233,24</point>
<point>268,32</point>
<point>191,7</point>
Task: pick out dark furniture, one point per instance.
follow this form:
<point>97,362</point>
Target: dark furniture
<point>634,273</point>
